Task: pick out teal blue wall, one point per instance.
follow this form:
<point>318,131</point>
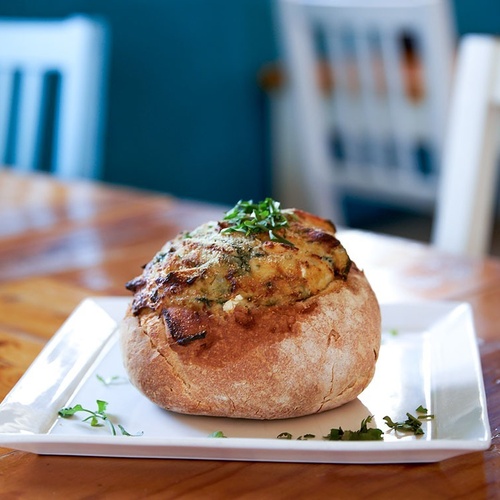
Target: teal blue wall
<point>186,114</point>
<point>477,16</point>
<point>189,114</point>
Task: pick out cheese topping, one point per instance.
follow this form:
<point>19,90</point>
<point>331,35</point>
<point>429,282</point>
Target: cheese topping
<point>209,268</point>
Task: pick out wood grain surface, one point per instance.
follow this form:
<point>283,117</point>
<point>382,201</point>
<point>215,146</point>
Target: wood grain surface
<point>63,242</point>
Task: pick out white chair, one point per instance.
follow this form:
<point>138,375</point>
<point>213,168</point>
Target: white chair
<point>379,133</point>
<point>469,177</point>
<point>74,52</point>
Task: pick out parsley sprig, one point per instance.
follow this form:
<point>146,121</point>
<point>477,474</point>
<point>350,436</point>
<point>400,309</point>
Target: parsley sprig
<point>252,218</point>
<point>96,418</point>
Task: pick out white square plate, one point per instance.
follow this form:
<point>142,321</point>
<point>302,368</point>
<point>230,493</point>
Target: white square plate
<point>429,357</point>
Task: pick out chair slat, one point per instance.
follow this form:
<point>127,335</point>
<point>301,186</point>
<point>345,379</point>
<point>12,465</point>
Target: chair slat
<point>28,128</point>
<point>388,137</point>
<point>6,89</point>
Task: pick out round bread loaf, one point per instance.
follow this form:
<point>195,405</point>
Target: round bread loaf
<point>261,326</point>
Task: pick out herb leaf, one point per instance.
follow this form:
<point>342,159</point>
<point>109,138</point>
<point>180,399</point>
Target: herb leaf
<point>252,218</point>
<point>305,437</point>
<point>424,413</point>
<point>96,418</point>
<point>363,434</point>
<point>284,435</point>
<point>69,412</point>
<point>101,407</point>
<point>411,424</point>
<point>217,434</point>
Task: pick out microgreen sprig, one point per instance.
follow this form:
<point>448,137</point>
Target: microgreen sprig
<point>96,418</point>
<point>252,218</point>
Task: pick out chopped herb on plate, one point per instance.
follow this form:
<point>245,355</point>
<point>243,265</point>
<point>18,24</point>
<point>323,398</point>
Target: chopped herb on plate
<point>97,418</point>
<point>363,434</point>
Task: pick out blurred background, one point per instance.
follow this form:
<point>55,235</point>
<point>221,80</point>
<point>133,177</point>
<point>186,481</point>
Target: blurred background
<point>185,113</point>
<point>190,90</point>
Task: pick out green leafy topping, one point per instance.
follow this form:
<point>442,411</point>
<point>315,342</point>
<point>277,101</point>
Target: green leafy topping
<point>96,418</point>
<point>284,435</point>
<point>217,434</point>
<point>252,218</point>
<point>363,434</point>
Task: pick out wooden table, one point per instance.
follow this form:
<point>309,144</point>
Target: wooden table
<point>61,243</point>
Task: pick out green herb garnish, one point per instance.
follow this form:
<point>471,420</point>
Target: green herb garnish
<point>96,418</point>
<point>425,415</point>
<point>411,424</point>
<point>217,434</point>
<point>363,434</point>
<point>305,437</point>
<point>287,435</point>
<point>284,435</point>
<point>252,218</point>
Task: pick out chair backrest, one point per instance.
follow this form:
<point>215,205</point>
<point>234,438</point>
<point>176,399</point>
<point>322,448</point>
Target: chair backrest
<point>52,89</point>
<point>469,177</point>
<point>379,131</point>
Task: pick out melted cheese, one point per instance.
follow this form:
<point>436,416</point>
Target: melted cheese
<point>209,268</point>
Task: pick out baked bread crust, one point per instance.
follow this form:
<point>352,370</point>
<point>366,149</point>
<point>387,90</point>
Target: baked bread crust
<point>250,358</point>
